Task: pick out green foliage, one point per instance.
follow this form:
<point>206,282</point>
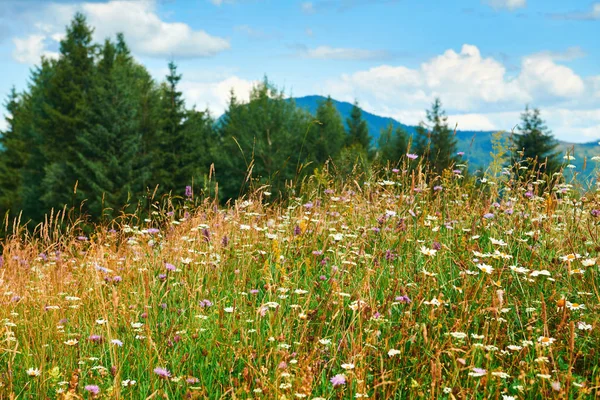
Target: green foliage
<point>534,143</point>
<point>358,132</point>
<point>437,145</point>
<point>261,143</point>
<point>326,135</point>
<point>392,145</point>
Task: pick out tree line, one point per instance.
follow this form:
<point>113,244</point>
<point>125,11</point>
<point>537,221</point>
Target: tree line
<point>93,130</point>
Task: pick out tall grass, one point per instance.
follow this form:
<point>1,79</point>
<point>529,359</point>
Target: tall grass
<point>390,284</point>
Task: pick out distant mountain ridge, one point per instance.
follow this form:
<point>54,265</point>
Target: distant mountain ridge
<point>477,145</point>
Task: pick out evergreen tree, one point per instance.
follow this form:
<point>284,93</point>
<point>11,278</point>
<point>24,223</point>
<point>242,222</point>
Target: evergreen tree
<point>437,146</point>
<point>67,110</point>
<point>326,136</point>
<point>392,145</point>
<point>170,143</point>
<point>259,142</point>
<point>358,132</point>
<point>13,156</point>
<point>107,150</point>
<point>535,143</point>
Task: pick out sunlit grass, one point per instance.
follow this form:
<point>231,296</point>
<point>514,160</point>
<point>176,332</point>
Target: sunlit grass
<point>387,288</point>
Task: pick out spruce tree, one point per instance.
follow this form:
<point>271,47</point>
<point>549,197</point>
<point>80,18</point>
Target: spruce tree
<point>13,156</point>
<point>170,143</point>
<point>107,150</point>
<point>392,144</point>
<point>358,132</point>
<point>438,144</point>
<point>534,143</point>
<point>326,135</point>
<point>67,109</point>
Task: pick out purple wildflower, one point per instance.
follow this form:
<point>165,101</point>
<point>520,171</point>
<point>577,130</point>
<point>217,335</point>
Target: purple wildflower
<point>488,215</point>
<point>395,170</point>
<point>323,277</point>
<point>308,205</point>
<point>206,234</point>
<point>457,171</point>
<point>437,246</point>
<point>95,338</point>
<point>188,192</point>
<point>460,153</point>
<point>594,212</point>
<point>170,267</point>
<point>225,241</point>
<point>437,188</point>
<point>412,156</point>
<point>82,238</point>
<point>297,230</point>
<point>206,303</point>
<point>117,279</point>
<point>529,194</point>
<point>253,291</point>
<point>162,372</point>
<point>339,379</point>
<point>162,277</point>
<point>404,299</point>
<point>329,191</point>
<point>192,380</point>
<point>153,230</point>
<point>93,389</point>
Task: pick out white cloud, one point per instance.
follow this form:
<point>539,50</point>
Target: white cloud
<point>508,4</point>
<point>215,95</point>
<point>593,14</point>
<point>30,49</point>
<point>148,34</point>
<point>338,53</point>
<point>478,92</point>
<point>144,31</point>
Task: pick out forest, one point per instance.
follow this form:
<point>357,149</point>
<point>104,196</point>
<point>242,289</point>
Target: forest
<point>95,134</point>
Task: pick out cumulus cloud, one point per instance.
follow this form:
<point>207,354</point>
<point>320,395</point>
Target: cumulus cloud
<point>478,92</point>
<point>339,53</point>
<point>215,94</point>
<point>145,32</point>
<point>507,4</point>
<point>30,49</point>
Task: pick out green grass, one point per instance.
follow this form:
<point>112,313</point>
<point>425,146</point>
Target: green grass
<point>306,290</point>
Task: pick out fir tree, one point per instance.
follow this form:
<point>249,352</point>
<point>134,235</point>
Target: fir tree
<point>13,156</point>
<point>326,135</point>
<point>67,109</point>
<point>534,143</point>
<point>392,144</point>
<point>438,145</point>
<point>358,132</point>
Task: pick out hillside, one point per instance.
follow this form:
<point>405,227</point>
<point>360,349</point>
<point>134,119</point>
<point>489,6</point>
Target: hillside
<point>477,145</point>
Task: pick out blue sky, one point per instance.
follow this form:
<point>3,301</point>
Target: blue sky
<point>485,59</point>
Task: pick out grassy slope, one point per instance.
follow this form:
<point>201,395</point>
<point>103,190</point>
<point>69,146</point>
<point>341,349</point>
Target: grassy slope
<point>265,301</point>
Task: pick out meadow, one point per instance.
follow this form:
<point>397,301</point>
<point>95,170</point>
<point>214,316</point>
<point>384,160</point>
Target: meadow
<point>392,284</point>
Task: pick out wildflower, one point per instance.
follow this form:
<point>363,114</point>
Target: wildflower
<point>93,389</point>
<point>347,366</point>
<point>170,267</point>
<point>458,335</point>
<point>325,342</point>
<point>555,386</point>
<point>33,372</point>
<point>575,306</point>
<point>488,215</point>
<point>339,379</point>
<point>71,342</point>
<point>393,352</point>
<point>162,372</point>
<point>403,299</point>
<point>582,326</point>
<point>428,252</point>
<point>95,338</point>
<point>188,192</point>
<point>412,156</point>
<point>546,341</point>
<point>488,269</point>
<point>542,272</point>
<point>477,372</point>
<point>117,342</point>
<point>501,374</point>
<point>228,309</point>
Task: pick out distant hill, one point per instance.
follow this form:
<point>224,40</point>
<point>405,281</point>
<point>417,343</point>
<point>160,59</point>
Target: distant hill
<point>477,145</point>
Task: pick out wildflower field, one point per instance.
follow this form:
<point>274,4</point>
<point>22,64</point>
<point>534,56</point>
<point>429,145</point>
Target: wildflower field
<point>390,285</point>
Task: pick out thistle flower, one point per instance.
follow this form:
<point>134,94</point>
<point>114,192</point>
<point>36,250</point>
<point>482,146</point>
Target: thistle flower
<point>163,373</point>
<point>338,380</point>
<point>93,389</point>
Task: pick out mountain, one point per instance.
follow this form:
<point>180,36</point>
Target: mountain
<point>477,145</point>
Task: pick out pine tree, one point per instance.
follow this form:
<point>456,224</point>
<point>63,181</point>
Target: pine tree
<point>534,143</point>
<point>13,156</point>
<point>260,140</point>
<point>326,136</point>
<point>392,144</point>
<point>107,150</point>
<point>437,146</point>
<point>358,132</point>
<point>67,109</point>
<point>170,143</point>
